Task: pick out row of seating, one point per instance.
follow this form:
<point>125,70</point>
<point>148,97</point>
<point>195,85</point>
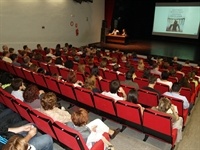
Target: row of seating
<point>106,107</point>
<point>67,136</point>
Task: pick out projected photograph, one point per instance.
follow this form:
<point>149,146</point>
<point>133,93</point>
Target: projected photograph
<point>176,20</point>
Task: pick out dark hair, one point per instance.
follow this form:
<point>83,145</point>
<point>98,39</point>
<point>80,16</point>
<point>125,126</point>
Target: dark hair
<point>25,47</point>
<point>129,75</point>
<point>132,96</point>
<point>179,67</point>
<point>176,87</point>
<point>6,78</point>
<point>69,64</point>
<point>116,67</point>
<point>114,86</point>
<point>49,101</point>
<point>13,56</point>
<point>165,75</point>
<point>59,61</point>
<point>146,73</point>
<point>152,79</point>
<point>95,70</point>
<point>16,83</point>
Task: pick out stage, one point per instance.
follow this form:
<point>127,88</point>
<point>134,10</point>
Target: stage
<point>183,50</point>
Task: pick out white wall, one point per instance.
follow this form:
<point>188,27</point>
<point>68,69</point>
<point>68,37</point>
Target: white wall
<point>21,22</point>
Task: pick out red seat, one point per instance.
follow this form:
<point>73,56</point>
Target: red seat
<point>142,82</point>
<point>179,75</point>
<point>67,89</point>
<point>3,65</point>
<point>148,98</point>
<point>8,99</point>
<point>64,73</point>
<point>80,77</point>
<point>84,96</point>
<point>52,84</point>
<point>19,72</point>
<point>139,73</point>
<point>129,114</point>
<point>10,68</point>
<point>187,92</point>
<point>104,104</point>
<point>162,88</point>
<point>54,69</point>
<point>43,122</point>
<point>29,76</point>
<point>39,78</point>
<point>172,79</point>
<point>44,66</point>
<point>23,109</point>
<point>105,85</point>
<point>72,138</point>
<point>110,75</point>
<point>159,125</point>
<point>121,77</point>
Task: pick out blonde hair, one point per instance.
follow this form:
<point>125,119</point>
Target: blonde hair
<point>49,101</point>
<point>90,82</point>
<point>16,142</point>
<point>164,104</point>
<point>81,68</point>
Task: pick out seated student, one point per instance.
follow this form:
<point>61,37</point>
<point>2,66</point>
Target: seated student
<point>5,81</point>
<point>50,108</point>
<point>14,58</point>
<point>165,106</point>
<point>93,131</point>
<point>71,78</point>
<point>6,57</point>
<point>90,83</point>
<point>133,97</point>
<point>32,96</point>
<point>114,89</point>
<point>175,93</point>
<point>163,79</point>
<point>152,82</point>
<point>18,88</point>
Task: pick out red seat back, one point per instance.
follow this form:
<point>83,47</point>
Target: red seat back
<point>110,75</point>
<point>39,78</point>
<point>142,82</point>
<point>52,84</point>
<point>159,125</point>
<point>148,98</point>
<point>105,85</point>
<point>130,114</point>
<point>19,72</point>
<point>67,89</point>
<point>28,74</point>
<point>162,88</point>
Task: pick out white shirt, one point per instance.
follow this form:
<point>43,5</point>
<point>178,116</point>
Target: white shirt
<point>18,94</point>
<point>169,83</point>
<point>112,95</point>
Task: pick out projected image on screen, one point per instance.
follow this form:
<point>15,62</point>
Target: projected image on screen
<point>177,19</point>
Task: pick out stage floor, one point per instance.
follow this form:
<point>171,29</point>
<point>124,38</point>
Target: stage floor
<point>184,51</point>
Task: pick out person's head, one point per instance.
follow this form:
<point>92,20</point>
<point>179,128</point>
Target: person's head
<point>25,47</point>
<point>26,59</point>
<point>33,67</point>
<point>38,56</point>
<point>14,57</point>
<point>164,104</point>
<point>17,84</point>
<point>90,82</point>
<point>115,67</point>
<point>114,60</point>
<point>166,65</point>
<point>152,79</point>
<point>176,87</point>
<point>81,68</point>
<point>129,75</point>
<point>5,48</point>
<point>155,65</point>
<point>95,70</point>
<point>146,73</point>
<point>58,53</point>
<point>71,77</point>
<point>123,58</point>
<point>191,75</point>
<point>31,93</point>
<point>49,101</point>
<point>69,64</point>
<point>179,67</point>
<point>6,78</point>
<point>103,63</point>
<point>48,59</point>
<point>11,50</point>
<point>114,86</point>
<point>132,96</point>
<point>164,75</point>
<point>140,64</point>
<point>77,59</point>
<point>16,142</point>
<point>80,117</point>
<point>39,47</point>
<point>6,53</point>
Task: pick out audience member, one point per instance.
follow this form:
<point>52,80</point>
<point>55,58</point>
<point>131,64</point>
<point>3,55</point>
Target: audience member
<point>93,131</point>
<point>59,62</point>
<point>90,83</point>
<point>114,89</point>
<point>130,76</point>
<point>49,52</point>
<point>32,96</point>
<point>14,58</point>
<point>18,88</point>
<point>26,62</point>
<point>165,106</point>
<point>133,98</point>
<point>155,69</point>
<point>71,78</point>
<point>50,108</point>
<point>6,57</point>
<point>5,48</point>
<point>164,79</point>
<point>140,65</point>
